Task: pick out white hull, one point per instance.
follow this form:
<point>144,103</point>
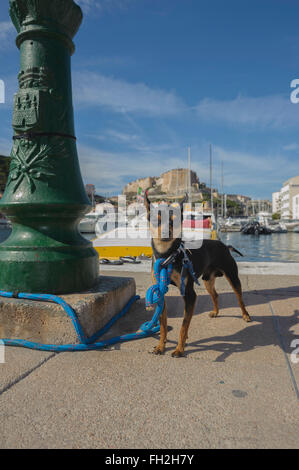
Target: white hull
<point>87,226</point>
<point>291,225</point>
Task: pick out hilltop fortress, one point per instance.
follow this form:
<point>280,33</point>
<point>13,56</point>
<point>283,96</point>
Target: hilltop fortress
<point>173,182</point>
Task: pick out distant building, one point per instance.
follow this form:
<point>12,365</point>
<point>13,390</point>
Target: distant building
<point>239,198</point>
<point>143,183</point>
<point>176,181</point>
<point>276,202</point>
<point>242,201</point>
<point>253,207</point>
<point>296,207</point>
<point>288,192</point>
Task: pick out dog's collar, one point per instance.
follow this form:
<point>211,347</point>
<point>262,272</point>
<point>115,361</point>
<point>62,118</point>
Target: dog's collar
<point>187,265</point>
<point>181,250</point>
<point>172,257</point>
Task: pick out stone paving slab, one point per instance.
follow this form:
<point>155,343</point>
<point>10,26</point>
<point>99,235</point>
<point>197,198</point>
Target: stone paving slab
<point>286,318</point>
<point>126,400</point>
<point>19,362</point>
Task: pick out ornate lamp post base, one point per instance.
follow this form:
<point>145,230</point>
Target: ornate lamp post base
<point>46,254</point>
<point>45,197</point>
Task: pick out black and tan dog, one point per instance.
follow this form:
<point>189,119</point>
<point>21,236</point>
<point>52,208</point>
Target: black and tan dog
<point>213,259</point>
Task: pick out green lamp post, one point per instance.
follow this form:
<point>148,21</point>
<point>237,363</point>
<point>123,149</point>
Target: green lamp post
<point>45,196</point>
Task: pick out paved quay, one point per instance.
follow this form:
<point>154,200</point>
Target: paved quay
<point>236,387</point>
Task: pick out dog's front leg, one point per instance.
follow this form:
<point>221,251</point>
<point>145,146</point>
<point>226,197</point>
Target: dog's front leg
<point>190,300</point>
<point>160,349</point>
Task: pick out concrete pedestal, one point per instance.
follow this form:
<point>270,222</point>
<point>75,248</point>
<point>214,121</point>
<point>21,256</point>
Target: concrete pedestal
<point>47,322</point>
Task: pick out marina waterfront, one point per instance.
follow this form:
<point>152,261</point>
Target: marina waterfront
<point>279,247</point>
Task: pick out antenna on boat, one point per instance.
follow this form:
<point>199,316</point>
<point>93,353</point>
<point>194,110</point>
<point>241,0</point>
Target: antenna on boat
<point>211,178</point>
<point>189,176</point>
<point>222,193</point>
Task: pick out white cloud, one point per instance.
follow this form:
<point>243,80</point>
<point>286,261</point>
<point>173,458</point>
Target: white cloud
<point>291,147</point>
<point>258,173</point>
<point>121,137</point>
<point>274,111</point>
<point>102,6</point>
<point>6,34</point>
<point>92,89</point>
<point>101,61</point>
<point>110,171</point>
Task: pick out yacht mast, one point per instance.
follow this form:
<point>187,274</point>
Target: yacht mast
<point>222,193</point>
<point>211,178</point>
<point>189,175</point>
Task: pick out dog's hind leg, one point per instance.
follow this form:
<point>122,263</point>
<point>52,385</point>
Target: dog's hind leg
<point>190,300</point>
<point>234,281</point>
<point>160,349</point>
<point>210,287</point>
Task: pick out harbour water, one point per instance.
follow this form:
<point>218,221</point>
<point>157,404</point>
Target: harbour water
<point>279,247</point>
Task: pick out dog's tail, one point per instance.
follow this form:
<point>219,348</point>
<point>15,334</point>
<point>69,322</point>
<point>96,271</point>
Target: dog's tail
<point>231,248</point>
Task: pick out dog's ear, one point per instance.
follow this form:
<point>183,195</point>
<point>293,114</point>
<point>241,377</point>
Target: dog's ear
<point>147,202</point>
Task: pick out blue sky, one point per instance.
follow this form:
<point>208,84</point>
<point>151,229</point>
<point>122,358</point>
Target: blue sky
<point>151,77</point>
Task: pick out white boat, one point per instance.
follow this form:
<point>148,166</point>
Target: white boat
<point>88,223</point>
<point>232,225</point>
<point>265,218</point>
<point>124,241</point>
<point>291,224</point>
<point>278,227</point>
<point>134,239</point>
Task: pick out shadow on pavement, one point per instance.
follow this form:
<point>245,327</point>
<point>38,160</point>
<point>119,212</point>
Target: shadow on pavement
<point>261,332</point>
